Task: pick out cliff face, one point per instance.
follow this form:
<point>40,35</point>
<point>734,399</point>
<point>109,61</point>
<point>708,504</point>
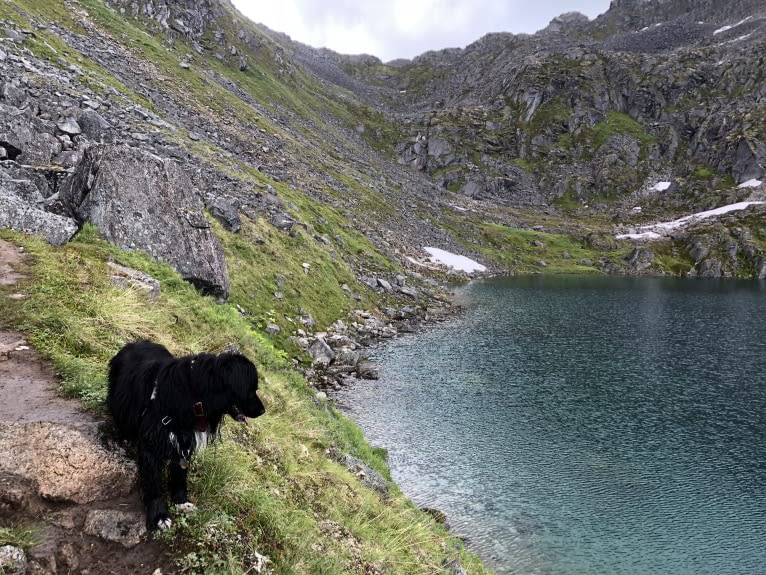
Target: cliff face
<point>654,110</point>
<point>592,111</point>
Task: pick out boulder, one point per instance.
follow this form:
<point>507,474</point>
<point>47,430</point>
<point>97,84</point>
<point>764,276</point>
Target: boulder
<point>27,140</point>
<point>225,211</point>
<point>141,202</point>
<point>64,463</point>
<point>127,278</point>
<point>640,259</point>
<point>18,215</point>
<point>92,124</point>
<point>320,352</point>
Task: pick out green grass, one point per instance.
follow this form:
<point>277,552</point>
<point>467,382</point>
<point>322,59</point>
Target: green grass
<point>268,488</point>
<point>522,250</point>
<point>18,536</point>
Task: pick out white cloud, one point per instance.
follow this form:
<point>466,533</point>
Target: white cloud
<point>405,28</point>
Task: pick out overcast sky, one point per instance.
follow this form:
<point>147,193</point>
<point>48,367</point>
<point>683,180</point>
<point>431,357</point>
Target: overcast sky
<point>392,29</point>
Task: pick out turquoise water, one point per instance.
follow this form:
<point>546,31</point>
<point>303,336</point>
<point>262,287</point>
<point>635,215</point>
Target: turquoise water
<point>588,426</point>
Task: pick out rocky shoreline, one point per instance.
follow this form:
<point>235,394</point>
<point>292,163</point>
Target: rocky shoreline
<point>340,354</point>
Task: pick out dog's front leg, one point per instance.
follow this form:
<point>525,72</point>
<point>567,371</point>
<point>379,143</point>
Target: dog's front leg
<point>177,487</point>
<point>150,473</point>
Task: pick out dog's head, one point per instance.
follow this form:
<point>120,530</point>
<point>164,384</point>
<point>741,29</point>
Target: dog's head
<point>240,379</point>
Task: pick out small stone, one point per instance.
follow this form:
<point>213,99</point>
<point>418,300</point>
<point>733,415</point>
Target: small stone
<point>123,527</point>
<point>409,291</point>
<point>273,329</point>
<point>12,560</point>
<point>69,126</point>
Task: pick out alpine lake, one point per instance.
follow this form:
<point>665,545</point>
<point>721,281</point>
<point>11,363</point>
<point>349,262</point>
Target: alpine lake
<point>585,425</point>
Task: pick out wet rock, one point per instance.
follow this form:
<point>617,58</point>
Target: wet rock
<point>123,527</point>
<point>367,370</point>
<point>438,515</point>
<point>710,268</point>
<point>139,201</point>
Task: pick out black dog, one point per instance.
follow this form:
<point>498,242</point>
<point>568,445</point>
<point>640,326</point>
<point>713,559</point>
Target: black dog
<point>173,406</point>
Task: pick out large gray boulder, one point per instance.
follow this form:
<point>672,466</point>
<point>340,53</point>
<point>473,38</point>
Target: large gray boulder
<point>142,202</point>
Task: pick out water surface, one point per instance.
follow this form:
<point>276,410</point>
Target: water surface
<point>588,426</point>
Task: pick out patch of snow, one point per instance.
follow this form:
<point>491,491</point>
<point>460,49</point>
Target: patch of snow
<point>745,37</point>
<point>641,236</point>
<point>750,184</point>
<point>725,28</point>
<point>661,186</point>
<point>457,262</point>
<point>655,231</point>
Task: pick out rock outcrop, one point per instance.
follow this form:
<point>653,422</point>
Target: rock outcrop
<point>64,464</point>
<point>142,202</point>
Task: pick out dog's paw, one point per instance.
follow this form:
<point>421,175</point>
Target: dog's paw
<point>163,524</point>
<point>187,507</point>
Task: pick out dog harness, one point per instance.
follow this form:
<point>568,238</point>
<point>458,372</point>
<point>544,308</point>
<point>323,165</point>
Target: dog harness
<point>199,410</point>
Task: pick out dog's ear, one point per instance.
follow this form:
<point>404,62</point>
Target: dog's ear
<point>238,374</point>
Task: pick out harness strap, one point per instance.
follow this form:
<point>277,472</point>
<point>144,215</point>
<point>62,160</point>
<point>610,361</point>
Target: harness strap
<point>199,410</point>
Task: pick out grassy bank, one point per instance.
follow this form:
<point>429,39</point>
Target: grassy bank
<point>267,489</point>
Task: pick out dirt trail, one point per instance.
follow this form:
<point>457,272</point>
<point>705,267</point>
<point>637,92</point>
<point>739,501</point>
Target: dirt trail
<point>58,473</point>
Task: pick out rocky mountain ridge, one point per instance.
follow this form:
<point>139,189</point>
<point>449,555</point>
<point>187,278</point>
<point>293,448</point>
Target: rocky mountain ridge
<point>579,121</point>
